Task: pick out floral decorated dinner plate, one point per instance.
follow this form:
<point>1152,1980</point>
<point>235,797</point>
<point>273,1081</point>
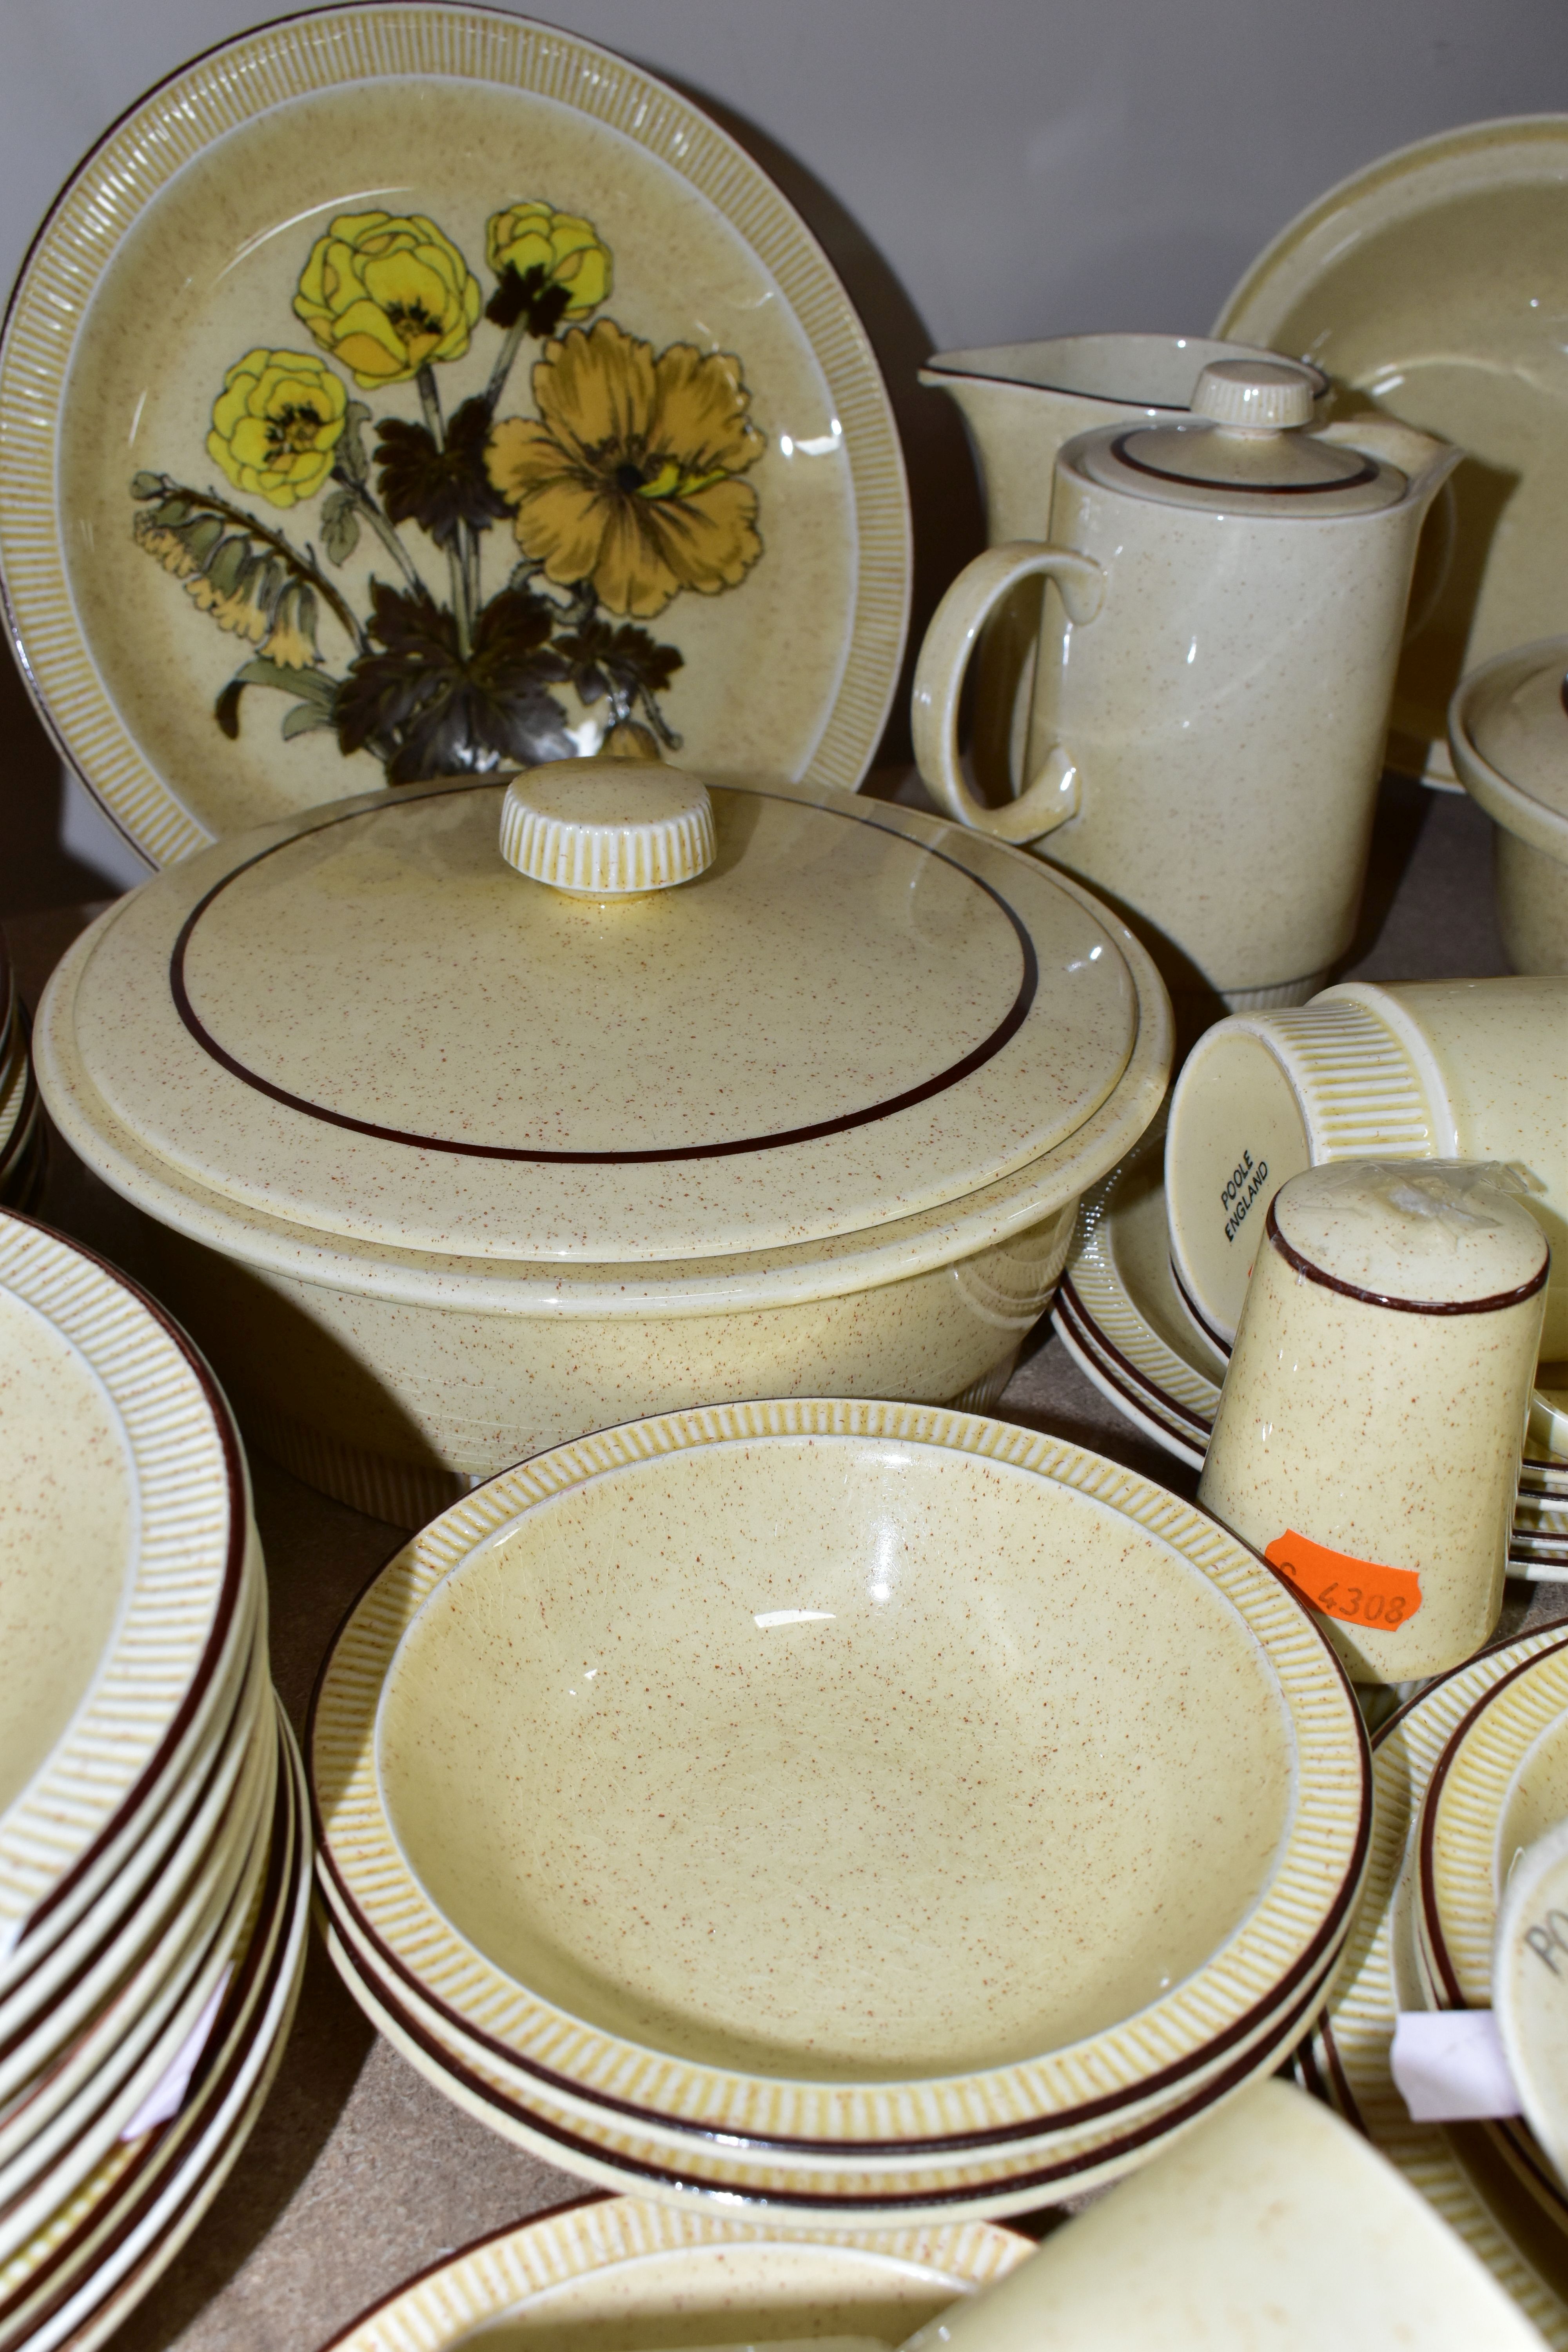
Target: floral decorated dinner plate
<point>403,390</point>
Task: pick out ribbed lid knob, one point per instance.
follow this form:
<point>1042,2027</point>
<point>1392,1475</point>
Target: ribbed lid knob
<point>607,828</point>
<point>1269,395</point>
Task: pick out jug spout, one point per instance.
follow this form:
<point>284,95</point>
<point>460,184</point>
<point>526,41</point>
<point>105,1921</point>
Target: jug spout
<point>1014,435</point>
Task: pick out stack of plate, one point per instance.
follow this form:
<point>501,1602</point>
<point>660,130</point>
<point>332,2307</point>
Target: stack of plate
<point>1500,1783</point>
<point>21,1115</point>
<point>154,1869</point>
<point>1121,1317</point>
<point>1446,1802</point>
<point>844,1809</point>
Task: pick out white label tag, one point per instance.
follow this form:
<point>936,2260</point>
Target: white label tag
<point>163,2102</point>
<point>1451,2067</point>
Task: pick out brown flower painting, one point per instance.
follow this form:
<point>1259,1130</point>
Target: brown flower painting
<point>627,488</point>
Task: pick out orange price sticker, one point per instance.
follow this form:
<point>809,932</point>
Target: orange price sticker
<point>1357,1591</point>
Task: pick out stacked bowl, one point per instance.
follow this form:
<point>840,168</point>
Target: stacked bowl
<point>836,1808</point>
<point>154,1869</point>
<point>1498,1786</point>
<point>21,1115</point>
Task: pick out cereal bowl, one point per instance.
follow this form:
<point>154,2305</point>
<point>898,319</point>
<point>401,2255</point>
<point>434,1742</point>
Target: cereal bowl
<point>840,1773</point>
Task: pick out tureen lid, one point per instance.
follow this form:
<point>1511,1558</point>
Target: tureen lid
<point>1514,713</point>
<point>1243,449</point>
<point>367,1024</point>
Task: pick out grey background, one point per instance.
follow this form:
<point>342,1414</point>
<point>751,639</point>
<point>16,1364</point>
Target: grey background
<point>978,172</point>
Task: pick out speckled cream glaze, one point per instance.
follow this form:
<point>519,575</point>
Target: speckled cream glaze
<point>1441,1069</point>
<point>855,2190</point>
<point>1421,285</point>
<point>1508,734</point>
<point>1529,1988</point>
<point>1500,1784</point>
<point>372,1026</point>
<point>1349,2052</point>
<point>399,1408</point>
<point>1045,2167</point>
<point>1122,1317</point>
<point>178,245</point>
<point>1389,1434</point>
<point>663,1752</point>
<point>121,1507</point>
<point>1020,402</point>
<point>1218,2246</point>
<point>834,2026</point>
<point>1191,662</point>
<point>382,1039</point>
<point>614,2265</point>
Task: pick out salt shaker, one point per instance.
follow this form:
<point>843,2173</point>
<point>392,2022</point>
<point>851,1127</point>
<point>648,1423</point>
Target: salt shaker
<point>1369,1432</point>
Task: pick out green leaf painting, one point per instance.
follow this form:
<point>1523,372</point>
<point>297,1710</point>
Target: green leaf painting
<point>626,488</point>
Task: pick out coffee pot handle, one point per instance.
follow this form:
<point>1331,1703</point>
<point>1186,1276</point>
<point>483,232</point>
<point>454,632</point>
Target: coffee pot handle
<point>1052,796</point>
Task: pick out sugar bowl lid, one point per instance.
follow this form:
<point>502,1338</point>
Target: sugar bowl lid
<point>368,1023</point>
<point>1243,449</point>
<point>1508,730</point>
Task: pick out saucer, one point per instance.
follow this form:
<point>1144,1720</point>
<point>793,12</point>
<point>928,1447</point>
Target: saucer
<point>1123,1320</point>
<point>1529,1986</point>
<point>1346,2062</point>
<point>1423,284</point>
<point>275,445</point>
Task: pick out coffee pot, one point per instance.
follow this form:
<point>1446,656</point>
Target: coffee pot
<point>1020,403</point>
<point>1214,673</point>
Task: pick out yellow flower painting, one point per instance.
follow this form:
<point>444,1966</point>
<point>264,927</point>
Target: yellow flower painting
<point>275,424</point>
<point>630,477</point>
<point>628,486</point>
<point>564,250</point>
<point>386,295</point>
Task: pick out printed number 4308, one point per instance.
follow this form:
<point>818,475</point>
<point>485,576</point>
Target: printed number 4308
<point>1362,1608</point>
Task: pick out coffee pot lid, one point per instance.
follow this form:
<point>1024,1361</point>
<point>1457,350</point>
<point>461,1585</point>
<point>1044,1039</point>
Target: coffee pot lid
<point>1245,449</point>
<point>370,1023</point>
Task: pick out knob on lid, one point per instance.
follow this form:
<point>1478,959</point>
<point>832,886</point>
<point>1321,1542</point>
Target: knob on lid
<point>1270,396</point>
<point>607,828</point>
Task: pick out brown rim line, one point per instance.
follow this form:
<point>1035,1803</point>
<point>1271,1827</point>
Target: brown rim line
<point>287,1862</point>
<point>1440,1770</point>
<point>1215,1338</point>
<point>1367,471</point>
<point>941,1082</point>
<point>1330,1934</point>
<point>1093,1334</point>
<point>1144,1418</point>
<point>117,1926</point>
<point>237,1479</point>
<point>1492,1305</point>
<point>463,2253</point>
<point>1329,1937</point>
<point>1267,2051</point>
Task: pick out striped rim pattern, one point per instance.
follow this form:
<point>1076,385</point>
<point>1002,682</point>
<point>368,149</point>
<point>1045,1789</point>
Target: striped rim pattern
<point>1455,1873</point>
<point>291,61</point>
<point>1315,1874</point>
<point>185,1512</point>
<point>1350,2053</point>
<point>486,2281</point>
<point>1056,2164</point>
<point>1135,1368</point>
<point>102,2254</point>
